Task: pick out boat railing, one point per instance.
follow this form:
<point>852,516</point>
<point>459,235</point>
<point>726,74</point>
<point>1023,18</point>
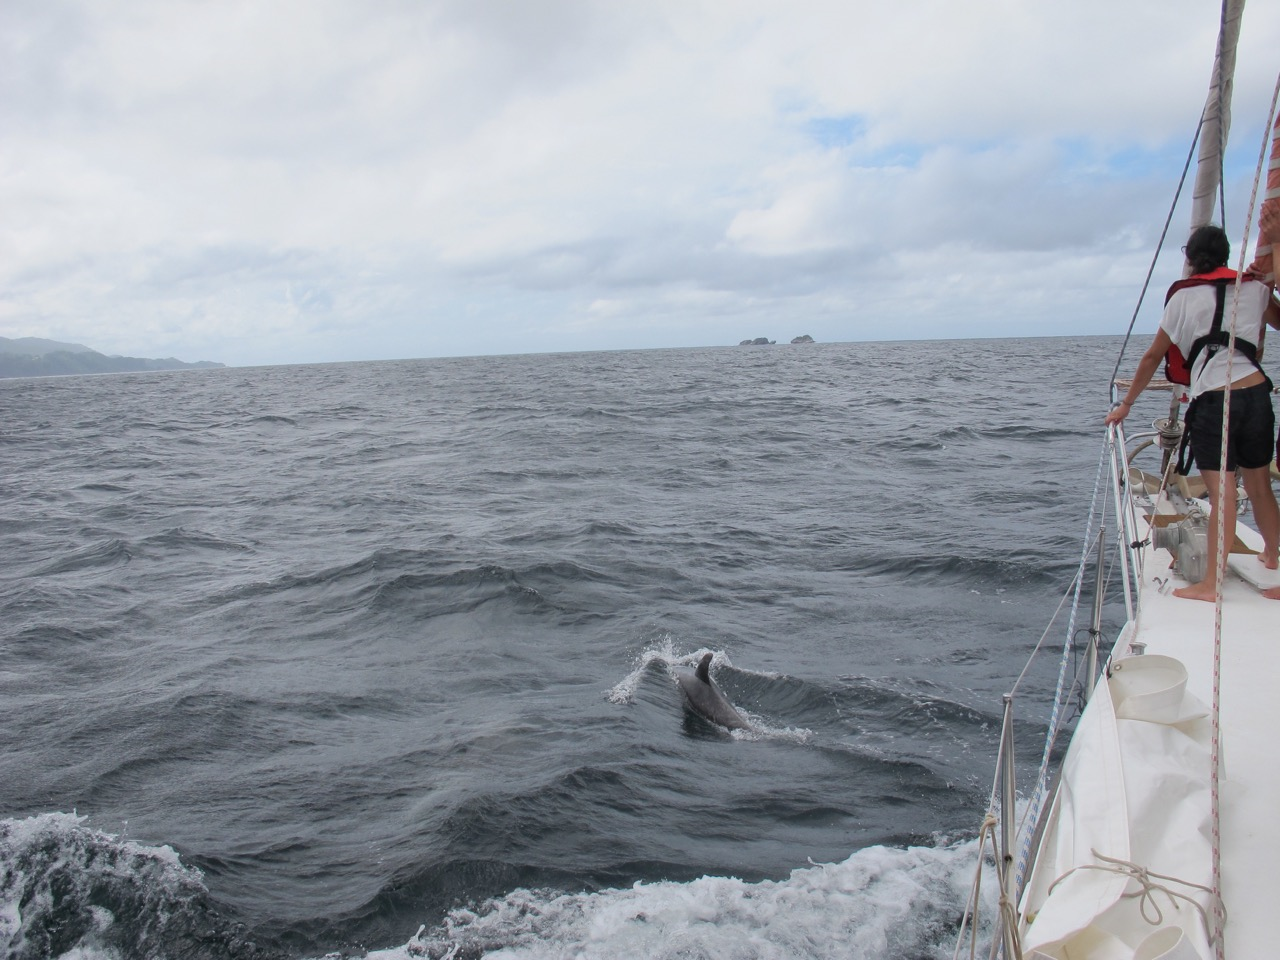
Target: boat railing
<point>1013,824</point>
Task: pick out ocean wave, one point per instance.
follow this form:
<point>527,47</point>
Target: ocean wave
<point>880,902</point>
<point>67,890</point>
<point>102,487</point>
<point>268,419</point>
<point>469,588</point>
<point>1013,565</point>
<point>110,552</point>
<point>182,540</point>
<point>890,702</point>
<point>1037,432</point>
<point>34,642</point>
<point>408,586</point>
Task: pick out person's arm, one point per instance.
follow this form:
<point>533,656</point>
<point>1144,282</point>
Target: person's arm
<point>1147,368</point>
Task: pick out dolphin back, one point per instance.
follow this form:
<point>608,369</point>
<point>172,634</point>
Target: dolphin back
<point>706,699</point>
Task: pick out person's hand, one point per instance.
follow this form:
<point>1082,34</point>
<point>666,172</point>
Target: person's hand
<point>1118,413</point>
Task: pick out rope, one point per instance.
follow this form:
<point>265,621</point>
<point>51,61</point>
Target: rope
<point>1146,879</point>
<point>1220,561</point>
<point>989,824</point>
<point>1007,907</point>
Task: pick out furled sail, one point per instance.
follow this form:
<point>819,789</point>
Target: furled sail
<point>1215,122</point>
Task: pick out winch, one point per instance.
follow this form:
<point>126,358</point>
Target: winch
<point>1188,541</point>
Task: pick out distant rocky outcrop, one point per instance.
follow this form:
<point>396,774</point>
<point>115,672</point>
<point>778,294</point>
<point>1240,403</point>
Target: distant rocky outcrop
<point>765,341</point>
<point>34,357</point>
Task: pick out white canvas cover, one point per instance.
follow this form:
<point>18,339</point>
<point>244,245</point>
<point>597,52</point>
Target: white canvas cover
<point>1135,789</point>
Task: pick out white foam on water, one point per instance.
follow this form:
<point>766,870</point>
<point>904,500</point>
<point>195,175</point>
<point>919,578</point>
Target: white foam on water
<point>53,867</point>
<point>760,729</point>
<point>663,653</point>
<point>881,903</point>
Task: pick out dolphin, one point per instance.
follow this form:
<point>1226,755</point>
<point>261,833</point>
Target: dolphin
<point>706,699</point>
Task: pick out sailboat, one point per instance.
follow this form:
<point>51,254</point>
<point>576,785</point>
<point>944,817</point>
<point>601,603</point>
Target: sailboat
<point>1156,837</point>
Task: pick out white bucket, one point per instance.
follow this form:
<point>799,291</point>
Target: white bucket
<point>1150,687</point>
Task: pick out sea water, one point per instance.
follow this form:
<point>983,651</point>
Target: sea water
<point>379,657</point>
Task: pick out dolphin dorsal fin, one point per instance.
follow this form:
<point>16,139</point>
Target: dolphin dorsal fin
<point>703,672</point>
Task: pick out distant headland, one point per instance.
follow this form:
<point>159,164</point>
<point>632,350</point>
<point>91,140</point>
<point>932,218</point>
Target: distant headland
<point>766,342</point>
<point>34,357</point>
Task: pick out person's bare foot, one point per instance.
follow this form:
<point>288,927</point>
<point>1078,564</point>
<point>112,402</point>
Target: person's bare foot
<point>1204,590</point>
<point>1272,593</point>
<point>1268,562</point>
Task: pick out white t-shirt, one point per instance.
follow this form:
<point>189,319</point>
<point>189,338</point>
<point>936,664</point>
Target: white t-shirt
<point>1189,316</point>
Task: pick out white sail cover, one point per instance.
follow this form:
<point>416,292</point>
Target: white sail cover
<point>1134,796</point>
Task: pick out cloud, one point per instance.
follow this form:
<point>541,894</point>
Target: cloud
<point>322,180</point>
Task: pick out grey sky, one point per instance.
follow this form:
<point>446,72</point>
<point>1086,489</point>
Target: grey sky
<point>275,182</point>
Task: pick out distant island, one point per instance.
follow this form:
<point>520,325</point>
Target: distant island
<point>34,357</point>
<point>766,342</point>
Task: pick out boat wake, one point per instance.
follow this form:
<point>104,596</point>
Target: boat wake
<point>73,891</point>
<point>881,902</point>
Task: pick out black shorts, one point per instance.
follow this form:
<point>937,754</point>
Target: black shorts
<point>1253,429</point>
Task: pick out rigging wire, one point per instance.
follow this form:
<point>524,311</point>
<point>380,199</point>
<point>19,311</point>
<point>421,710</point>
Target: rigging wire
<point>1151,268</point>
<point>1220,111</point>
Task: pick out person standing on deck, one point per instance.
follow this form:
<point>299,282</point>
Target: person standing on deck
<point>1189,316</point>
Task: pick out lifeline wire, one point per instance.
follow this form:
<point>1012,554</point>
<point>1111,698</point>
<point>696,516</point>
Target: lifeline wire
<point>1042,775</point>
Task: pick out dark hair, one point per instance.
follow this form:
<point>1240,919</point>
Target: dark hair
<point>1207,249</point>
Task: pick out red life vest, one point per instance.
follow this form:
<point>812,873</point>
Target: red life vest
<point>1177,369</point>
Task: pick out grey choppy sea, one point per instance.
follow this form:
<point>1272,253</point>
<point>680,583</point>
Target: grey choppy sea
<point>379,657</point>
